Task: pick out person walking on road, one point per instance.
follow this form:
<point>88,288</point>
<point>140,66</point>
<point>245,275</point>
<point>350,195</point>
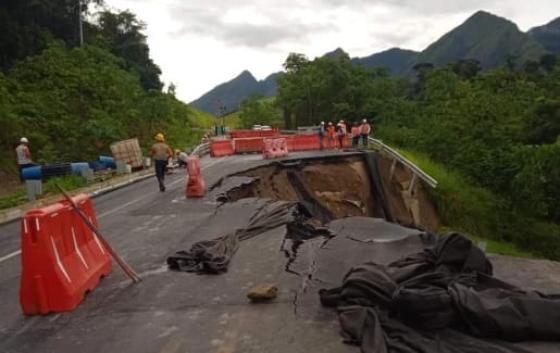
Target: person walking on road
<point>161,153</point>
<point>355,134</point>
<point>322,133</point>
<point>23,154</point>
<point>365,130</point>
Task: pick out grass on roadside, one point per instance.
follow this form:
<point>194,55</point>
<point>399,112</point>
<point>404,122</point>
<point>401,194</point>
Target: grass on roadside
<point>486,217</point>
<point>19,197</point>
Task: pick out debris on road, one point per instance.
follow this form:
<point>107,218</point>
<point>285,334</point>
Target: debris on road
<point>262,292</point>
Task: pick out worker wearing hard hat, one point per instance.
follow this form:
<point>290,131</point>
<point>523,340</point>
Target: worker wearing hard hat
<point>161,153</point>
<point>23,154</point>
<point>365,130</point>
<point>322,134</point>
<point>182,158</point>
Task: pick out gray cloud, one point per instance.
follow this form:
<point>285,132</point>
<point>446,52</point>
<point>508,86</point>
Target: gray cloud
<point>427,7</point>
<point>210,21</point>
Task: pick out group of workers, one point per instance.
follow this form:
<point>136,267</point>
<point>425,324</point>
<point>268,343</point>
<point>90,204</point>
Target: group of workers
<point>336,135</point>
<point>162,153</point>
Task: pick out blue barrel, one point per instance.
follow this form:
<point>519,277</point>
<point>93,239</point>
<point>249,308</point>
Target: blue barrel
<point>97,166</point>
<point>32,173</point>
<point>78,167</point>
<point>108,161</point>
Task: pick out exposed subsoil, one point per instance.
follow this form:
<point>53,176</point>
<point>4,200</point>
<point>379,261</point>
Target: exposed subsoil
<point>344,187</point>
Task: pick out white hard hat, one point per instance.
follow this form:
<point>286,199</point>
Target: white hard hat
<point>364,121</point>
<point>24,140</point>
<point>322,123</point>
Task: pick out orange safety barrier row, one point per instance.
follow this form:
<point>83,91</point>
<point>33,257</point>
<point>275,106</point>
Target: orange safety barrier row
<point>306,142</point>
<point>248,145</point>
<point>196,186</point>
<point>253,133</point>
<point>220,148</point>
<point>274,148</point>
<point>61,258</point>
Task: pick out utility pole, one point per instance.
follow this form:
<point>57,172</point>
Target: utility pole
<point>81,25</point>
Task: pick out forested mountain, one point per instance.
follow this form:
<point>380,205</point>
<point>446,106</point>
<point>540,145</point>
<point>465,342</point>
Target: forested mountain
<point>397,60</point>
<point>548,35</point>
<point>73,101</point>
<point>491,40</point>
<point>228,96</point>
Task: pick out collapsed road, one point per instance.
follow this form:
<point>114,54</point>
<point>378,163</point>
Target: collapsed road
<point>181,312</point>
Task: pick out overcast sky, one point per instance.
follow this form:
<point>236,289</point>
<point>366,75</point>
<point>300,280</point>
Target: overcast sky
<point>200,44</point>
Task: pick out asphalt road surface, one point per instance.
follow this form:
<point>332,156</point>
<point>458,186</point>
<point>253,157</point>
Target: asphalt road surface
<point>179,312</point>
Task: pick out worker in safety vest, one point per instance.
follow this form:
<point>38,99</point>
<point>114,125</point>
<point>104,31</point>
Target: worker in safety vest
<point>322,134</point>
<point>365,130</point>
<point>182,158</point>
<point>341,133</point>
<point>161,153</point>
<point>331,135</point>
<point>355,134</point>
<point>23,154</point>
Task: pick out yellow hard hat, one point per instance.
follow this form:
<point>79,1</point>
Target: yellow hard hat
<point>159,137</point>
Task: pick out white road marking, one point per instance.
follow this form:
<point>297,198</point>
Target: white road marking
<point>9,256</point>
<point>116,209</point>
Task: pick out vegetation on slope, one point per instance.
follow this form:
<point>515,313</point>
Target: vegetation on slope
<point>497,129</point>
<point>72,102</point>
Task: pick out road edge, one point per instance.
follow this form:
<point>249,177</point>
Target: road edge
<point>13,214</point>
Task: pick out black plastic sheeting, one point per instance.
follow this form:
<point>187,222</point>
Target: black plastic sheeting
<point>443,299</point>
<point>213,256</point>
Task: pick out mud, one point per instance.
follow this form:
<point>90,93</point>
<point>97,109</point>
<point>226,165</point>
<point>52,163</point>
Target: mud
<point>343,186</point>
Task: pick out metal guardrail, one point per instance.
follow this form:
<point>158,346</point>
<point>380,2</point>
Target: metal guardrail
<point>397,157</point>
<point>202,149</point>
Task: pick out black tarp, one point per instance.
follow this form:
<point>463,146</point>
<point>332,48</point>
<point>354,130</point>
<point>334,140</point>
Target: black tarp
<point>213,256</point>
<point>443,299</point>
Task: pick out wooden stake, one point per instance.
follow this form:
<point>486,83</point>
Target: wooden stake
<point>125,267</point>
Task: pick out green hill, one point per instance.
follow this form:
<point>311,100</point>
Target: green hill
<point>548,35</point>
<point>485,37</point>
<point>397,60</point>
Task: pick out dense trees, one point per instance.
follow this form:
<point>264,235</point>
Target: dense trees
<point>73,101</point>
<point>258,110</point>
<point>499,128</point>
<point>325,89</point>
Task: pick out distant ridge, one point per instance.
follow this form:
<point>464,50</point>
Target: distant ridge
<point>488,38</point>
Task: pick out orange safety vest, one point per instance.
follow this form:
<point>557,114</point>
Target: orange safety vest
<point>331,132</point>
<point>355,131</point>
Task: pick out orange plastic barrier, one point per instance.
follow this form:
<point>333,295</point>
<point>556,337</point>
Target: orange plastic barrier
<point>275,148</point>
<point>196,186</point>
<point>248,145</point>
<point>289,142</point>
<point>238,134</point>
<point>220,148</point>
<point>306,142</point>
<point>61,258</point>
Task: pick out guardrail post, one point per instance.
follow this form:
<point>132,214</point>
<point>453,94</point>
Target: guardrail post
<point>412,182</point>
<point>392,171</point>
